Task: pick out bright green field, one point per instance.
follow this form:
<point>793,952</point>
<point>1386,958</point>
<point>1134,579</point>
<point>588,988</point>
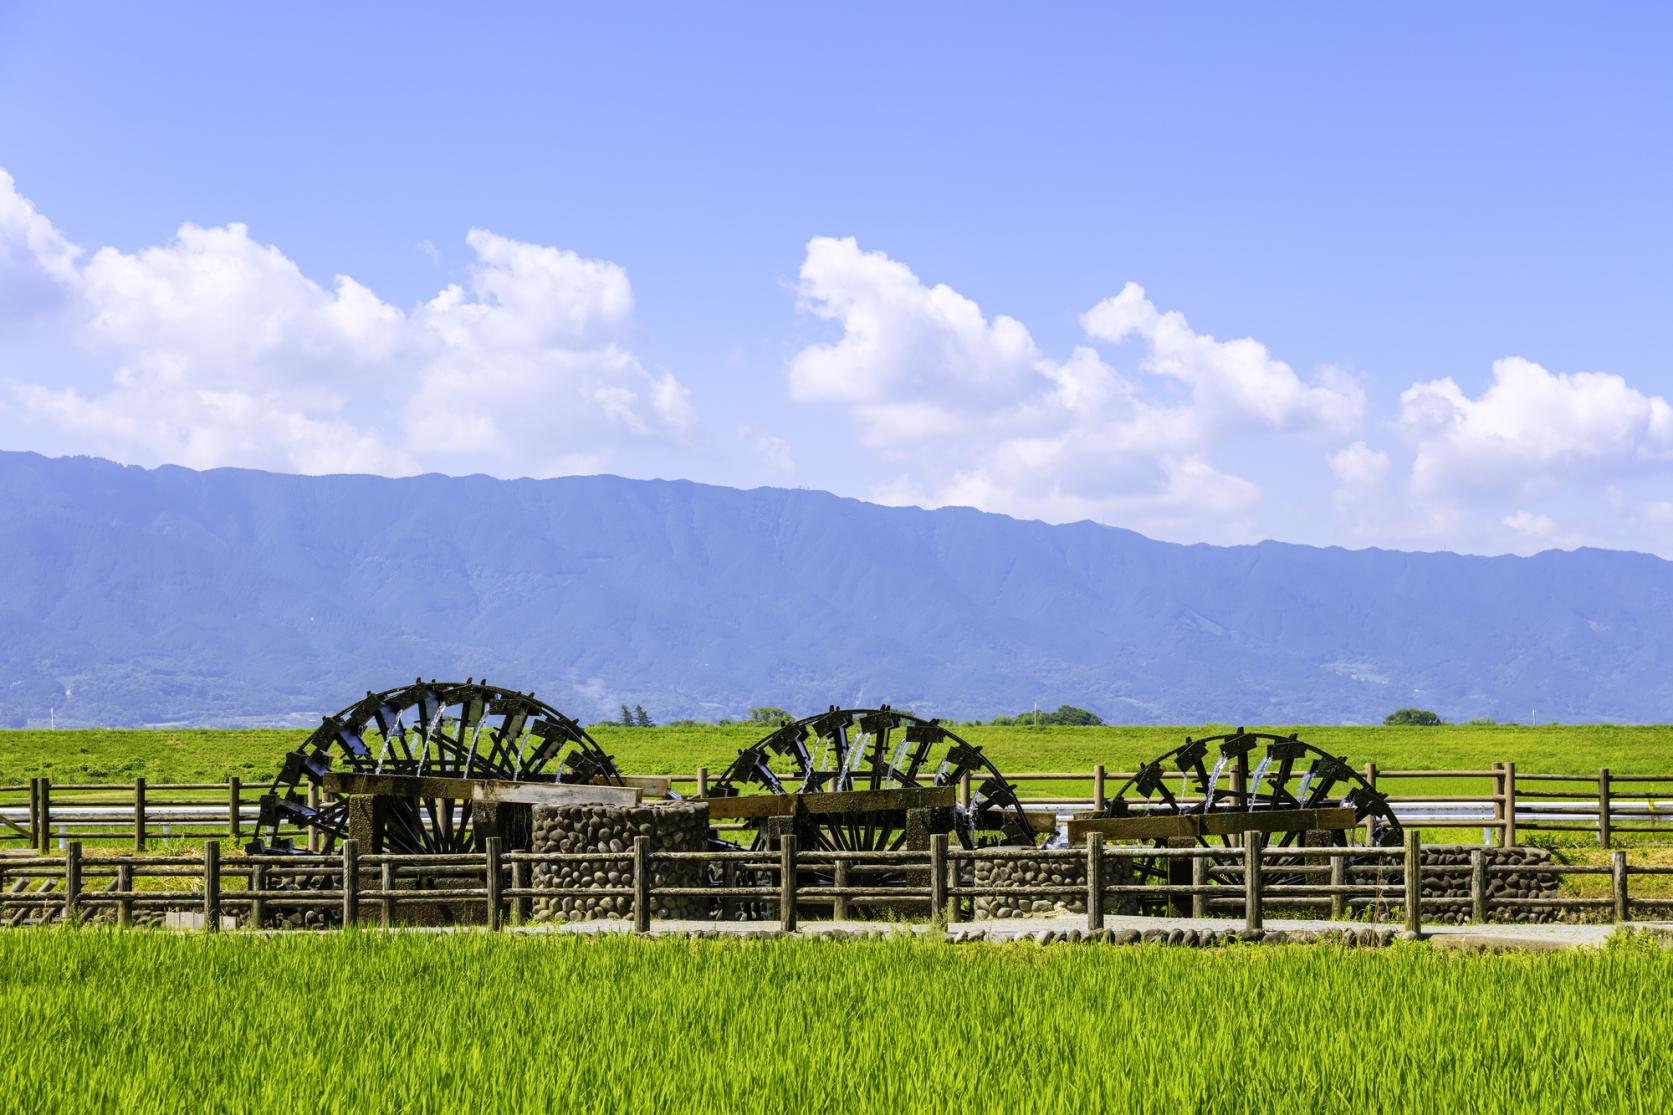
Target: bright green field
<point>149,1022</point>
<point>211,756</point>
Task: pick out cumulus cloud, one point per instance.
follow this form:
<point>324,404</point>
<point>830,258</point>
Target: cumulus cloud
<point>1531,430</point>
<point>221,351</point>
<point>37,265</point>
<point>977,414</point>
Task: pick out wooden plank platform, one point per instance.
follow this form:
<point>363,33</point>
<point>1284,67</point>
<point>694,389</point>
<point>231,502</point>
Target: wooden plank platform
<point>480,789</point>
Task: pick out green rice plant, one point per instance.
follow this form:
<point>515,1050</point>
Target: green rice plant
<point>149,1021</point>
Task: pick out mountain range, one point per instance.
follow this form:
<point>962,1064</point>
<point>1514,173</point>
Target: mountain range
<point>232,597</point>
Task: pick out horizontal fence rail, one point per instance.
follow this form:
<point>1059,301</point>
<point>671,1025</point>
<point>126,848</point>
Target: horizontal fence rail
<point>44,816</point>
<point>349,888</point>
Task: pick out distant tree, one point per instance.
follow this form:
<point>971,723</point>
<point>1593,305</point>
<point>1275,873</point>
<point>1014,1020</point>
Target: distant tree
<point>767,714</point>
<point>1078,717</point>
<point>627,717</point>
<point>1421,717</point>
<point>641,718</point>
<point>1065,714</point>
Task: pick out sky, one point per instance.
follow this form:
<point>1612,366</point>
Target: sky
<point>1332,274</point>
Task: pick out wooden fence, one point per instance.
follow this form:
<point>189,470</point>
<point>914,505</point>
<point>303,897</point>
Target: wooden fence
<point>1499,802</point>
<point>363,888</point>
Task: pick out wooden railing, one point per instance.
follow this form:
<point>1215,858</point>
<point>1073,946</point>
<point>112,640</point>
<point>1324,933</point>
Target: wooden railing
<point>361,888</point>
<point>1499,801</point>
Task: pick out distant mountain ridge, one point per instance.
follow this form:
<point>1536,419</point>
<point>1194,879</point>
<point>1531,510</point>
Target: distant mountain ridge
<point>143,596</point>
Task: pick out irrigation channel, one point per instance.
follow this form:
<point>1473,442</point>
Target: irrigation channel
<point>448,804</point>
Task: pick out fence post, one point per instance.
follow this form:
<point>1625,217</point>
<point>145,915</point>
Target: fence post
<point>211,886</point>
<point>520,881</point>
<point>1603,807</point>
<point>1478,885</point>
<point>139,815</point>
<point>1199,879</point>
<point>258,904</point>
<point>386,884</point>
<point>235,818</point>
<point>1098,786</point>
<point>641,884</point>
<point>34,811</point>
<point>43,810</point>
<point>1618,879</point>
<point>351,881</point>
<point>938,875</point>
<point>787,882</point>
<point>1414,882</point>
<point>1510,804</point>
<point>72,881</point>
<point>125,889</point>
<point>702,782</point>
<point>493,884</point>
<point>1338,881</point>
<point>1095,878</point>
<point>839,904</point>
<point>1252,880</point>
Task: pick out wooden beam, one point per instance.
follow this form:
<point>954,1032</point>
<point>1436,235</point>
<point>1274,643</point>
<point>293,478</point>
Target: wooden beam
<point>479,789</point>
<point>1193,825</point>
<point>747,806</point>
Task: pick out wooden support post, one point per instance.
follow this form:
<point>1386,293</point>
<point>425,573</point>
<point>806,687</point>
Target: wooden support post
<point>125,891</point>
<point>1199,878</point>
<point>34,811</point>
<point>313,833</point>
<point>235,812</point>
<point>1618,879</point>
<point>641,884</point>
<point>787,882</point>
<point>1098,786</point>
<point>72,881</point>
<point>258,905</point>
<point>964,789</point>
<point>211,886</point>
<point>1338,880</point>
<point>43,811</point>
<point>139,815</point>
<point>1371,780</point>
<point>386,884</point>
<point>520,881</point>
<point>494,884</point>
<point>1510,804</point>
<point>728,880</point>
<point>1414,882</point>
<point>351,881</point>
<point>938,874</point>
<point>702,782</point>
<point>1252,879</point>
<point>1603,807</point>
<point>839,904</point>
<point>1478,885</point>
<point>1095,880</point>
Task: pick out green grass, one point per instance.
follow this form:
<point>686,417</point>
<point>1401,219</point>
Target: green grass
<point>211,756</point>
<point>364,1022</point>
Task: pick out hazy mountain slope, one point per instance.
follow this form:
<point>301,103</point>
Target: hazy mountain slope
<point>169,595</point>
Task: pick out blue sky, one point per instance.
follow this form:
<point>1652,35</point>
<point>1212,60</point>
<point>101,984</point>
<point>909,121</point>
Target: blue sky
<point>1398,277</point>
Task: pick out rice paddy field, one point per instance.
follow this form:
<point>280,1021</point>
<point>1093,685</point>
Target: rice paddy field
<point>203,755</point>
<point>151,1022</point>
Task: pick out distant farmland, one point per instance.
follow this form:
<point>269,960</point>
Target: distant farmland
<point>195,755</point>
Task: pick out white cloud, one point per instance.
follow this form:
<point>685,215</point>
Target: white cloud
<point>37,265</point>
<point>1531,431</point>
<point>1235,385</point>
<point>976,414</point>
<point>222,351</point>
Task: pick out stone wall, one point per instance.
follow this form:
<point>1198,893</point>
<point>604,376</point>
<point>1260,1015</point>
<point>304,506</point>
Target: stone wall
<point>673,826</point>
